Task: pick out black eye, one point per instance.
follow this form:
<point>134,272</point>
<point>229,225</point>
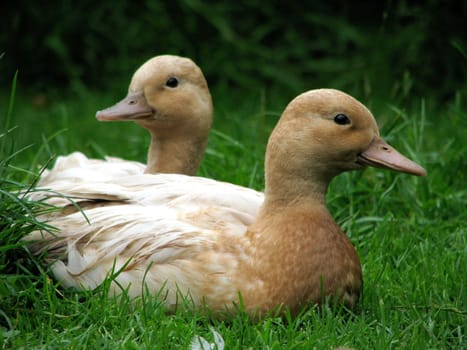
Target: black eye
<point>172,82</point>
<point>341,119</point>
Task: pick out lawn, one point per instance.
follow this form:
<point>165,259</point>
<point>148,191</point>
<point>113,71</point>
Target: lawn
<point>409,232</point>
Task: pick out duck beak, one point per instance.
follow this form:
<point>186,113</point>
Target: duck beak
<point>134,106</point>
<point>380,154</point>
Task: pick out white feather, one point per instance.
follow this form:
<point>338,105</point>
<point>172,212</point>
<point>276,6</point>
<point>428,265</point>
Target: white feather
<point>156,231</point>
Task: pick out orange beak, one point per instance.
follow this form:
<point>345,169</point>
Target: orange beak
<point>134,106</point>
<point>380,154</point>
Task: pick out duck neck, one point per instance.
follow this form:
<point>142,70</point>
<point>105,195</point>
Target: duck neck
<point>175,155</point>
<point>284,189</point>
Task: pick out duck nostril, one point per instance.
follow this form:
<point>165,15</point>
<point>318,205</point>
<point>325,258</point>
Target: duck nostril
<point>132,102</point>
<point>385,148</point>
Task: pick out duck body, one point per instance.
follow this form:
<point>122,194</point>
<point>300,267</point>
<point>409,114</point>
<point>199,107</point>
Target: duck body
<point>168,233</point>
<point>317,260</point>
<point>280,251</point>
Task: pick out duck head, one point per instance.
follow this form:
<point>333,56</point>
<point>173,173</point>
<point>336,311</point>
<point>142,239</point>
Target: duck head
<point>166,92</point>
<point>328,132</point>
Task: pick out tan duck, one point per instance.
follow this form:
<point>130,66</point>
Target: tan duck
<point>169,96</point>
<point>181,236</point>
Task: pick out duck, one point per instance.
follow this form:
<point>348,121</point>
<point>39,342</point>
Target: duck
<point>182,242</point>
<point>169,96</point>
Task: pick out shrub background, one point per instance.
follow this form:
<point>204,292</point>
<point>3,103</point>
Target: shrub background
<point>374,49</point>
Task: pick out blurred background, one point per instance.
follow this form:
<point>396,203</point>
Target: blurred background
<point>378,49</point>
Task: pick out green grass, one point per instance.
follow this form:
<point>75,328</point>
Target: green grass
<point>409,233</point>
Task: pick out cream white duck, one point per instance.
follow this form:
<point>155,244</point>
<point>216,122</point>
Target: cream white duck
<point>177,240</point>
<point>169,96</point>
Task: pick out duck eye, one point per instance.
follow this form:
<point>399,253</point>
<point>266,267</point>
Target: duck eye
<point>172,82</point>
<point>341,119</point>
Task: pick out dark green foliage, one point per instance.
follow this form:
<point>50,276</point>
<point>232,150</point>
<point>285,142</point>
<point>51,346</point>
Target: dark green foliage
<point>389,49</point>
<point>19,271</point>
